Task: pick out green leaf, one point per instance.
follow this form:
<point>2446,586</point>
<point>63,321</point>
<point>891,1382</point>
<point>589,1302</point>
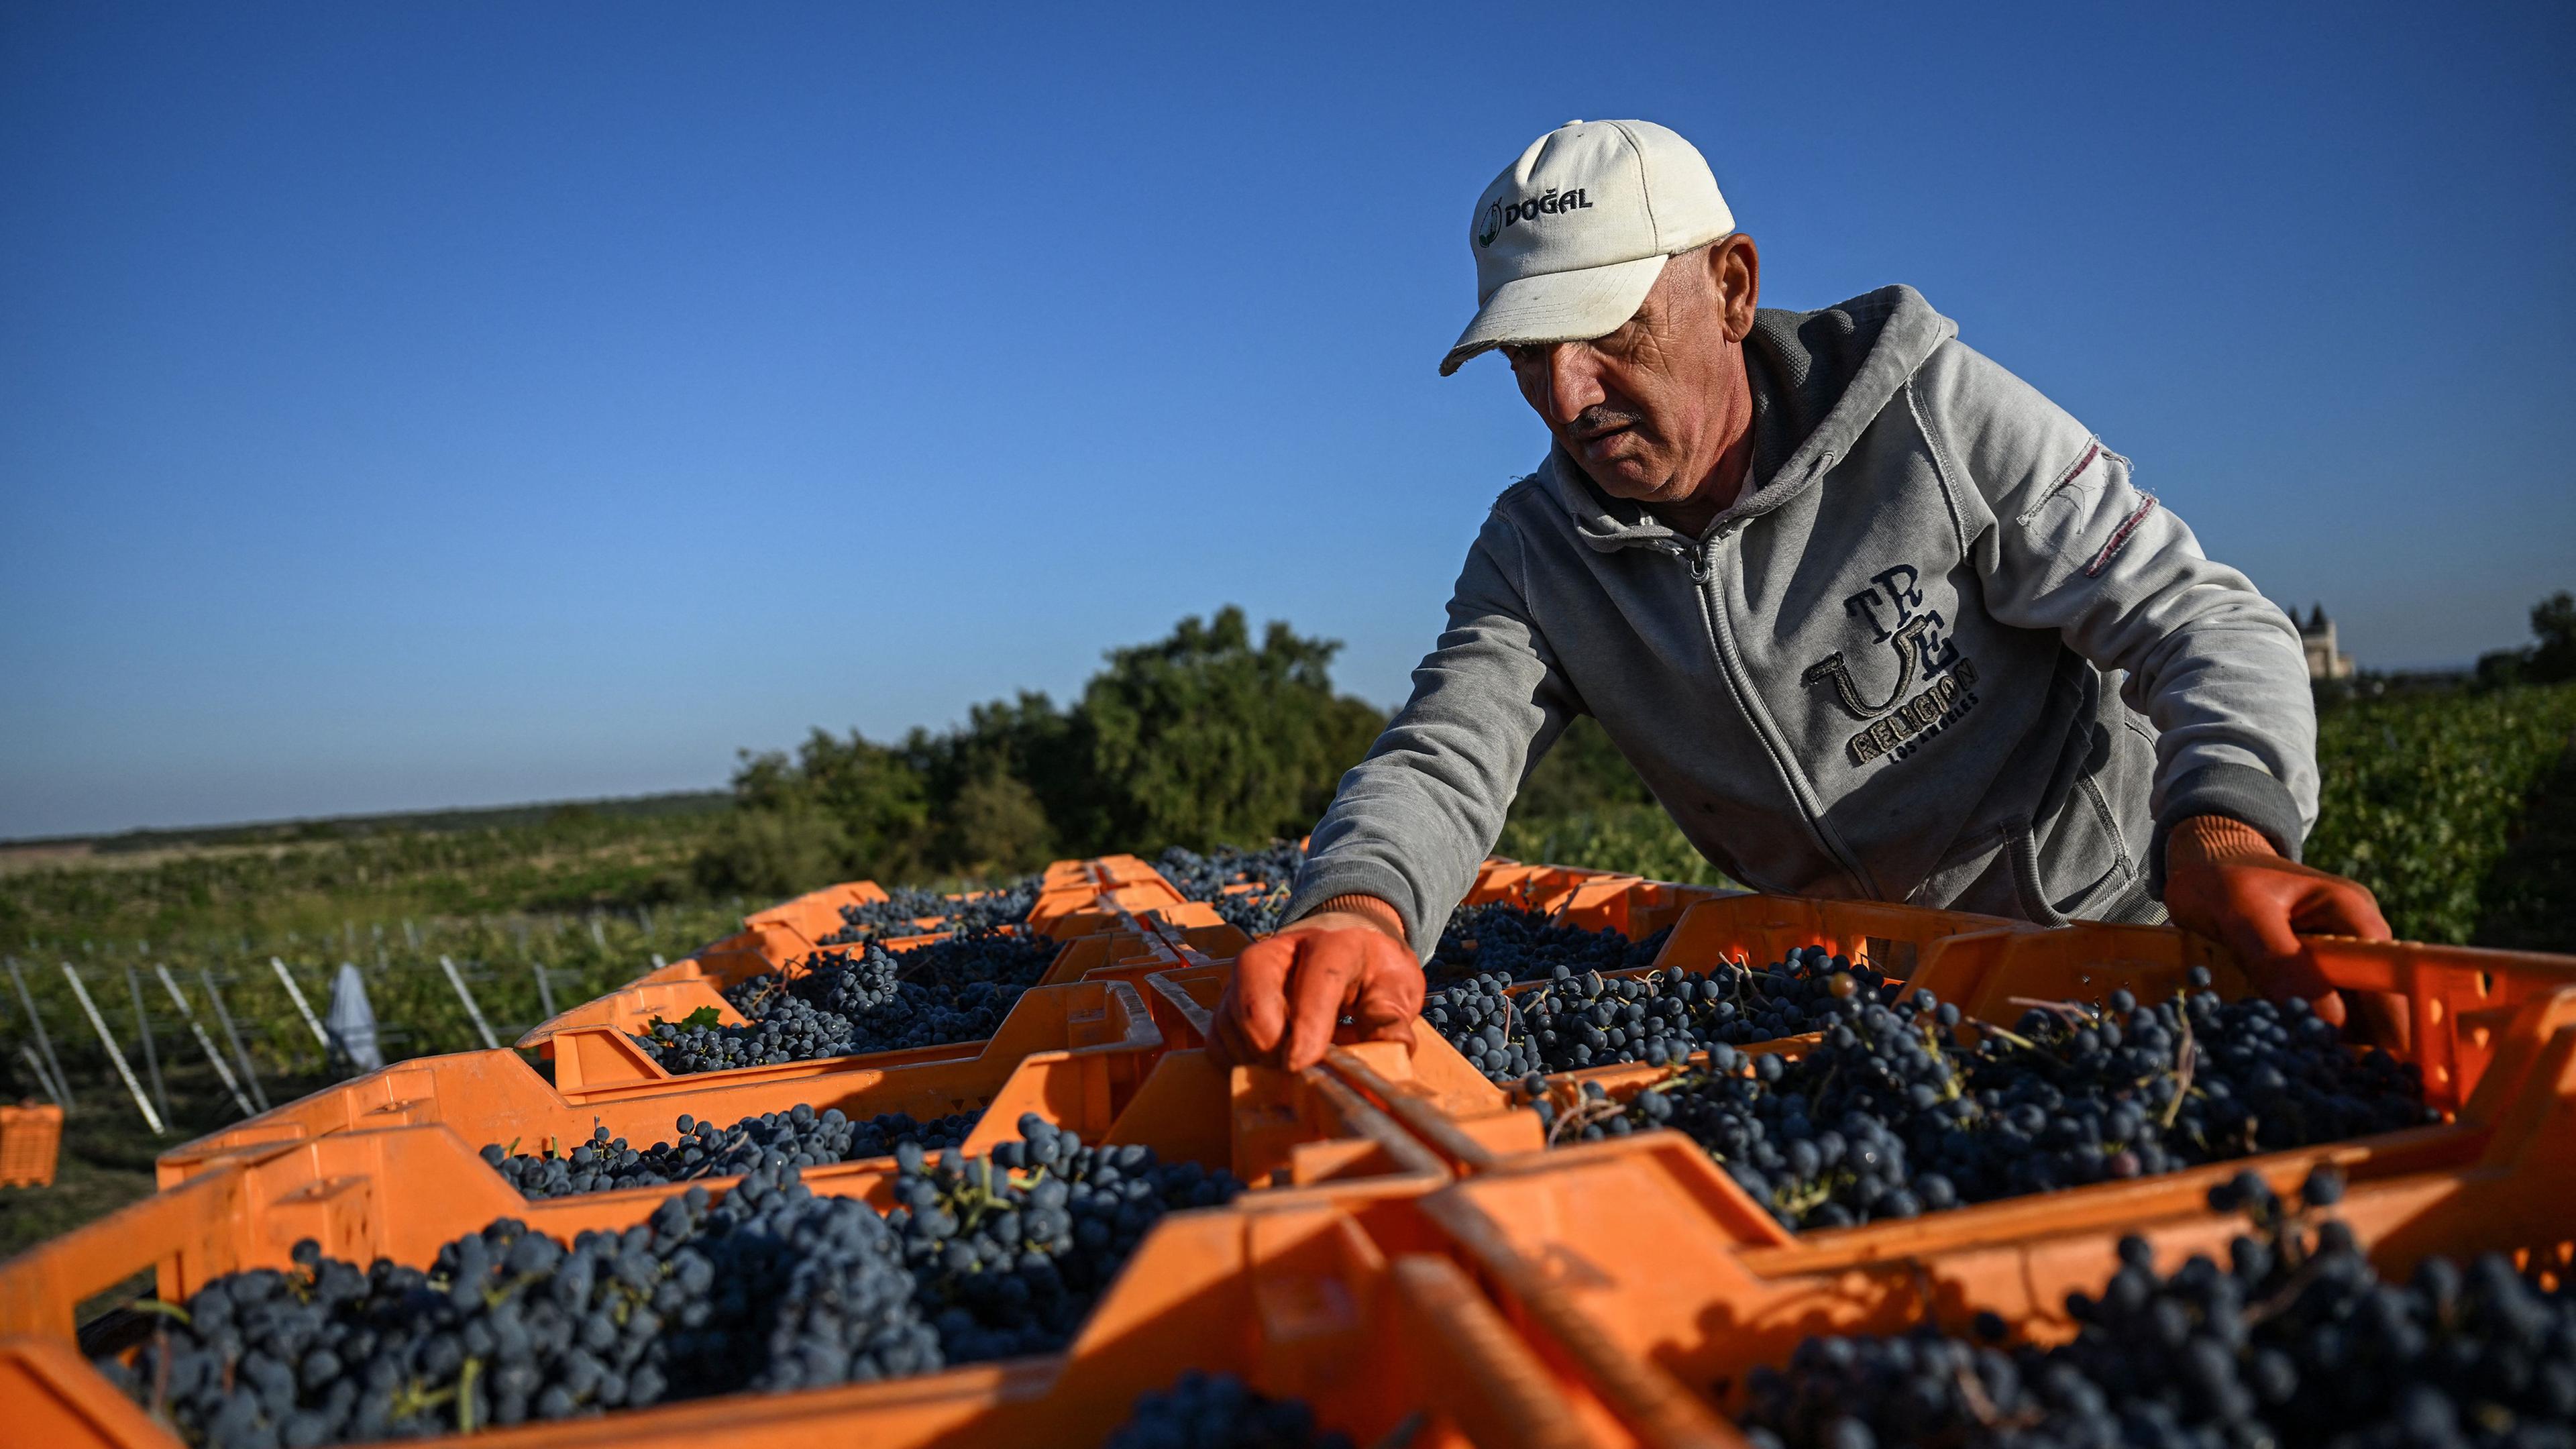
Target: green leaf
<point>706,1016</point>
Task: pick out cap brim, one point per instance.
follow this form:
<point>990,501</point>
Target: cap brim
<point>1557,307</point>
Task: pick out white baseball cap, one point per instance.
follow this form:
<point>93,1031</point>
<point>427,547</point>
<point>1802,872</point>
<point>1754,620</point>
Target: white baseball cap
<point>1570,238</point>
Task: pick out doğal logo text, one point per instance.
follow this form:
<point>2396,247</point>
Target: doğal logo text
<point>1530,208</point>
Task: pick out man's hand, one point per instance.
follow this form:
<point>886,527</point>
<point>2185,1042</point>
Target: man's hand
<point>1290,991</point>
<point>2224,880</point>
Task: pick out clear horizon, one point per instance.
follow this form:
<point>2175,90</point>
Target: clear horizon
<point>412,408</point>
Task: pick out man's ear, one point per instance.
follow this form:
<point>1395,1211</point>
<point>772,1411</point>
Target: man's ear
<point>1735,265</point>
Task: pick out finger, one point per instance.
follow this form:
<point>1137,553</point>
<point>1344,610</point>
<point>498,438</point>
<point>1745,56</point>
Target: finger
<point>1390,997</point>
<point>2260,933</point>
<point>1327,972</point>
<point>1228,1048</point>
<point>2378,1018</point>
<point>1225,1044</point>
<point>1380,1022</point>
<point>1400,1031</point>
<point>2336,907</point>
<point>2300,977</point>
<point>1260,1006</point>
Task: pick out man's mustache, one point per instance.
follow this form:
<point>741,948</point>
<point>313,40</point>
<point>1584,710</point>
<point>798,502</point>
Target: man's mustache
<point>1601,418</point>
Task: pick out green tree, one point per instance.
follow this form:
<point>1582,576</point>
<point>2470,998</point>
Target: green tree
<point>2553,659</point>
<point>995,826</point>
<point>1582,772</point>
<point>770,854</point>
<point>874,798</point>
<point>1027,741</point>
<point>1203,738</point>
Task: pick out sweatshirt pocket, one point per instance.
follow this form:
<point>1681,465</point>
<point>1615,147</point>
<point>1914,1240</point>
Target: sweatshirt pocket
<point>2087,875</point>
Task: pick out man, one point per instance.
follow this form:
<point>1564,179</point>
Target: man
<point>1870,616</point>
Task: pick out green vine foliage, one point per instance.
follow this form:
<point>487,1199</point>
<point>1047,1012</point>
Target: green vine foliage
<point>2424,797</point>
<point>1633,839</point>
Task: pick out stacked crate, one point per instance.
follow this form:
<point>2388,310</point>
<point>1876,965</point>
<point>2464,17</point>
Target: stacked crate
<point>1415,1259</point>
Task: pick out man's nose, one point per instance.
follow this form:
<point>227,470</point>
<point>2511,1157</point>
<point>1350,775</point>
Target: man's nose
<point>1573,382</point>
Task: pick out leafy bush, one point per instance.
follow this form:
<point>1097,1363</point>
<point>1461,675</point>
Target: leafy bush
<point>1202,740</point>
<point>2551,660</point>
<point>768,854</point>
<point>1581,773</point>
<point>1634,839</point>
<point>1199,739</point>
<point>2423,796</point>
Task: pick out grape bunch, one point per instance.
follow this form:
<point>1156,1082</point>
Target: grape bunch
<point>509,1325</point>
<point>1581,1019</point>
<point>1220,1411</point>
<point>799,1137</point>
<point>979,953</point>
<point>1011,1250</point>
<point>955,990</point>
<point>1889,1117</point>
<point>1205,878</point>
<point>768,1288</point>
<point>2296,1342</point>
<point>900,913</point>
<point>1519,944</point>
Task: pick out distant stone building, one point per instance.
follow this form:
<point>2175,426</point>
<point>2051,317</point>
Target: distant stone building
<point>2317,633</point>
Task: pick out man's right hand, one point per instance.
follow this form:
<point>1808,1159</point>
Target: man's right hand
<point>1290,992</point>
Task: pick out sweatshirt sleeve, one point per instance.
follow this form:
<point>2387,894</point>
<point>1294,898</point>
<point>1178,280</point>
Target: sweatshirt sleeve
<point>2065,540</point>
<point>1414,819</point>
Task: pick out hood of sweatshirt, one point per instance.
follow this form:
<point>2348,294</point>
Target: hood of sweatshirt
<point>1818,378</point>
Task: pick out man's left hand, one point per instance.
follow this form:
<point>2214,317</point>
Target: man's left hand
<point>2224,880</point>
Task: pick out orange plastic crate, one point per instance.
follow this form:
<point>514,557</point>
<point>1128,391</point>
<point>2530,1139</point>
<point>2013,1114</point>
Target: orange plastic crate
<point>817,914</point>
<point>1285,1287</point>
<point>1639,909</point>
<point>592,1045</point>
<point>1463,1118</point>
<point>1109,884</point>
<point>1472,1120</point>
<point>402,1190</point>
<point>1302,1300</point>
<point>1756,930</point>
<point>811,917</point>
<point>31,1142</point>
<point>1593,899</point>
<point>2477,1022</point>
<point>1139,945</point>
<point>1631,1254</point>
<point>1099,1031</point>
<point>2442,1005</point>
<point>777,937</point>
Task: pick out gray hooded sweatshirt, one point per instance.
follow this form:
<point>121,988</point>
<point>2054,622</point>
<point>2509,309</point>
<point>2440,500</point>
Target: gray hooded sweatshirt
<point>1943,651</point>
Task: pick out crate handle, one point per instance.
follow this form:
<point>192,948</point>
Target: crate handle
<point>1424,1119</point>
<point>1637,1393</point>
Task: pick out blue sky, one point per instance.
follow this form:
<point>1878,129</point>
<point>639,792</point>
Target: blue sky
<point>405,406</point>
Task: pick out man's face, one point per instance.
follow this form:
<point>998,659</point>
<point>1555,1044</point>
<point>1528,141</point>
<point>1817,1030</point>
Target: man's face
<point>1645,410</point>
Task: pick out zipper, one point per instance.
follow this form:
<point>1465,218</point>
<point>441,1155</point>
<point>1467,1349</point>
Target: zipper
<point>1701,561</point>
